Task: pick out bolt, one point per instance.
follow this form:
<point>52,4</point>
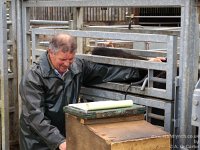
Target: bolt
<point>195,102</point>
<point>194,118</point>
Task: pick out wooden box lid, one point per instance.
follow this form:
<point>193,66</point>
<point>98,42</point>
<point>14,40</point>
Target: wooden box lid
<point>106,113</point>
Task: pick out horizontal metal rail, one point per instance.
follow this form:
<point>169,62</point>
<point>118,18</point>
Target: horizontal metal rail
<point>155,17</point>
<point>100,94</point>
<point>137,52</point>
<point>55,27</point>
<point>121,87</point>
<point>155,116</point>
<point>135,29</point>
<point>103,3</point>
<point>48,22</point>
<point>95,92</point>
<point>106,35</point>
<point>124,62</point>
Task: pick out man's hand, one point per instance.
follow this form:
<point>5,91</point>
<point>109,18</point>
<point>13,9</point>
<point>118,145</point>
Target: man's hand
<point>158,59</point>
<point>63,146</point>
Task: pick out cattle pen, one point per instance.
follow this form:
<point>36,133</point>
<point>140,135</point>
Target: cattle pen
<point>24,38</point>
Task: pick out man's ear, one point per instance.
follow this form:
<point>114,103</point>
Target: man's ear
<point>50,53</point>
<point>48,50</point>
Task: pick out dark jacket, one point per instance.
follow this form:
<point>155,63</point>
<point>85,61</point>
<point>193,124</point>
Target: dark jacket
<point>44,94</point>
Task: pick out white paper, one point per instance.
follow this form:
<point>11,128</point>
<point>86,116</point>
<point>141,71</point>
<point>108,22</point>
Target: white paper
<point>103,105</point>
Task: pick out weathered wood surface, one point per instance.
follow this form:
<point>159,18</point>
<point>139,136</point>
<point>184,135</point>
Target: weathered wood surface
<point>108,113</point>
<point>128,135</point>
<point>112,120</point>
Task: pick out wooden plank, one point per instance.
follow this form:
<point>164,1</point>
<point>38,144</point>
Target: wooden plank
<point>112,120</point>
<point>109,113</point>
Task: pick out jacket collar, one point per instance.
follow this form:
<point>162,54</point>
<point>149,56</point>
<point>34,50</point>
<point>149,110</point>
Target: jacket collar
<point>48,71</point>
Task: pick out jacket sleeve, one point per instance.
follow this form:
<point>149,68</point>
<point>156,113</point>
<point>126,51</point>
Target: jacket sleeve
<point>95,73</point>
<point>33,110</point>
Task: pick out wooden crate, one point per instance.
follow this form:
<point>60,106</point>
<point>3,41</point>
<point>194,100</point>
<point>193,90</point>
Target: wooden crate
<point>118,134</point>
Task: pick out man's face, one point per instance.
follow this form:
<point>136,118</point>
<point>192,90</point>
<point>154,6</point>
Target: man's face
<point>61,60</point>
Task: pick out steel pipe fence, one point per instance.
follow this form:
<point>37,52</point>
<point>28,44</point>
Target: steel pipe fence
<point>149,91</point>
<point>8,72</point>
<point>4,78</point>
<point>169,67</point>
<point>188,49</point>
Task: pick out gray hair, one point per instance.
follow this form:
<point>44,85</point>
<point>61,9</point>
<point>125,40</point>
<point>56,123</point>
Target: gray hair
<point>62,42</point>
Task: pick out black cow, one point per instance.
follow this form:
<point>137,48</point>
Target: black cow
<point>111,52</point>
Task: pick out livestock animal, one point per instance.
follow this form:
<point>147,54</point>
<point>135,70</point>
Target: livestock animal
<point>111,52</point>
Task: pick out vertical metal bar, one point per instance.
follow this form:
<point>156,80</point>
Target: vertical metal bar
<point>150,75</point>
<point>148,110</point>
<point>33,46</point>
<point>189,53</point>
<point>14,67</point>
<point>198,142</point>
<point>26,37</point>
<point>19,48</point>
<point>4,77</point>
<point>79,25</point>
<point>168,117</point>
<point>94,14</point>
<point>172,65</point>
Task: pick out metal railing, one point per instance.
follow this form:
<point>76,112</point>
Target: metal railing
<point>189,40</point>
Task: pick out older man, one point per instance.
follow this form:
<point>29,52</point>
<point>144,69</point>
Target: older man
<point>54,82</point>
